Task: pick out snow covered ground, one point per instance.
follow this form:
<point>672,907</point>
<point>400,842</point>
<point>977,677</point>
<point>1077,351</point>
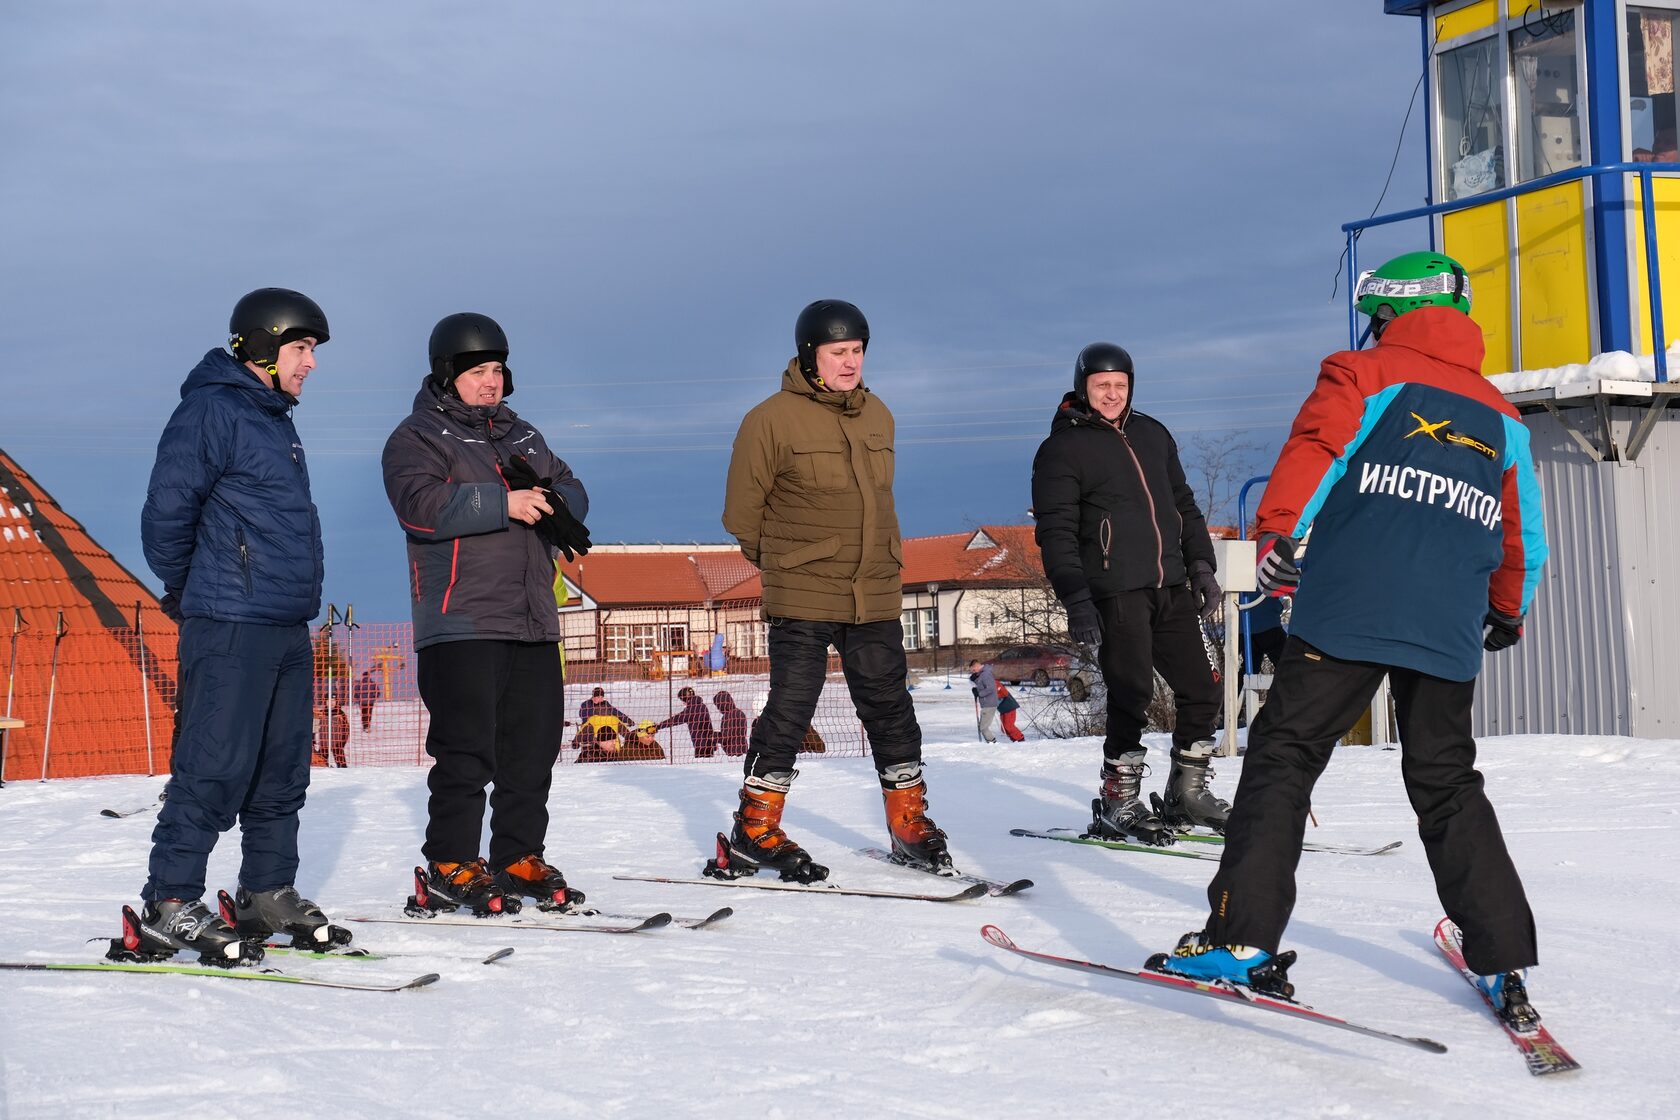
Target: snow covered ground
<point>814,1007</point>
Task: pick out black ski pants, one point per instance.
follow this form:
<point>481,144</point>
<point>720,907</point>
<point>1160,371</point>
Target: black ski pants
<point>496,716</point>
<point>1314,700</point>
<point>872,658</point>
<point>1145,632</point>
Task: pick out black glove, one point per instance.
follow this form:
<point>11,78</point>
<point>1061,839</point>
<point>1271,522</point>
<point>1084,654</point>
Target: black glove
<point>171,604</point>
<point>520,476</point>
<point>562,530</point>
<point>1208,592</point>
<point>1275,570</point>
<point>1084,623</point>
<point>1503,630</point>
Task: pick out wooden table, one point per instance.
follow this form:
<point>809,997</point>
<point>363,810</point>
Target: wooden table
<point>7,723</point>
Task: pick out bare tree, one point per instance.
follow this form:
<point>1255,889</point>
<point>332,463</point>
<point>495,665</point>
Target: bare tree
<point>1217,464</point>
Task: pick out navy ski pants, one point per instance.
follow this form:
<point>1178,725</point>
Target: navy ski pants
<point>871,656</point>
<point>1314,700</point>
<point>242,753</point>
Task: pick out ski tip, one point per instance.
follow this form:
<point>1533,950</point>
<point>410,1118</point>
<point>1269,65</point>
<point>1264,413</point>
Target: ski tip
<point>978,890</point>
<point>1428,1044</point>
<point>424,981</point>
<point>109,813</point>
<point>996,937</point>
<point>1008,889</point>
<point>655,921</point>
<point>718,915</point>
<point>498,955</point>
<point>1020,832</point>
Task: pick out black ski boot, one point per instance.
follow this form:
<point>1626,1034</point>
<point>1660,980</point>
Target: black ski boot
<point>260,915</point>
<point>533,877</point>
<point>455,886</point>
<point>757,840</point>
<point>1120,812</point>
<point>168,925</point>
<point>1189,803</point>
<point>916,841</point>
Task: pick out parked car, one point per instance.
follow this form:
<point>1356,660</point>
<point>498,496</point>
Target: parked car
<point>1039,665</point>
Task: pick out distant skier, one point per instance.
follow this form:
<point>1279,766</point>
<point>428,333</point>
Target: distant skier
<point>484,503</point>
<point>1128,553</point>
<point>810,499</point>
<point>230,529</point>
<point>698,719</point>
<point>1427,544</point>
<point>985,689</point>
<point>365,693</point>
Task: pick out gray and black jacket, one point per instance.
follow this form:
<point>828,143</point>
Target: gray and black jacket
<point>472,573</point>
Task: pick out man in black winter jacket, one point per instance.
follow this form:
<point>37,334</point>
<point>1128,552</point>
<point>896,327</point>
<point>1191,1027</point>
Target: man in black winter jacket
<point>1128,554</point>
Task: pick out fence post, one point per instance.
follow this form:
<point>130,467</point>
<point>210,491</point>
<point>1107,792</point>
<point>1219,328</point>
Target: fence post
<point>11,679</point>
<point>52,695</point>
<point>145,686</point>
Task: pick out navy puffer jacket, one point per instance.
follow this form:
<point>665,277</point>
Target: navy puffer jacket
<point>228,525</point>
<point>473,574</point>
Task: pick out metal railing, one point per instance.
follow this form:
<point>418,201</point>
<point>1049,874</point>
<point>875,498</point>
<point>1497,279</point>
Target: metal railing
<point>1645,171</point>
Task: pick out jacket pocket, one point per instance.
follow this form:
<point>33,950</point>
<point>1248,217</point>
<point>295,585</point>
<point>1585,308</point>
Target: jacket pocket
<point>816,550</point>
<point>821,465</point>
<point>895,549</point>
<point>881,461</point>
<point>244,558</point>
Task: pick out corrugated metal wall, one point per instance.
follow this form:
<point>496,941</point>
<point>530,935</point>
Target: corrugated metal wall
<point>1604,625</point>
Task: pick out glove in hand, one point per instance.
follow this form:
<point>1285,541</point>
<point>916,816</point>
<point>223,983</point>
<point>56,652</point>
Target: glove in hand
<point>1209,595</point>
<point>1275,569</point>
<point>1084,623</point>
<point>1503,631</point>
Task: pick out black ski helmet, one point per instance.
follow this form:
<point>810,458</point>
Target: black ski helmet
<point>269,318</point>
<point>1099,357</point>
<point>827,320</point>
<point>464,340</point>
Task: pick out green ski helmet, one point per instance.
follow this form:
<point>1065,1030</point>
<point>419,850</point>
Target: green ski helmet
<point>1409,282</point>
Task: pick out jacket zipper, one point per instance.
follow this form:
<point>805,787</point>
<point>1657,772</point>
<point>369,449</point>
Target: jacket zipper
<point>244,559</point>
<point>1160,571</point>
<point>1105,537</point>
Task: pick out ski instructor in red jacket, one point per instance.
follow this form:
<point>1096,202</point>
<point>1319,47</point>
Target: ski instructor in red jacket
<point>1415,476</point>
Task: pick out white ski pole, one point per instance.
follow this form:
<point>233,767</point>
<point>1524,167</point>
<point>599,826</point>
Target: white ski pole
<point>52,695</point>
<point>145,686</point>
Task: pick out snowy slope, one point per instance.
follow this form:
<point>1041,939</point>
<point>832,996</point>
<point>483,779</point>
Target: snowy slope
<point>815,1007</point>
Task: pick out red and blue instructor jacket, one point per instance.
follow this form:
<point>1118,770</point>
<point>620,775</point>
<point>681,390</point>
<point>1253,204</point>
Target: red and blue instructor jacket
<point>1415,477</point>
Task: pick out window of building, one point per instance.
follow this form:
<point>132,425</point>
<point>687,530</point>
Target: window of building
<point>1653,103</point>
<point>618,643</point>
<point>673,636</point>
<point>912,633</point>
<point>1472,119</point>
<point>749,639</point>
<point>642,641</point>
<point>1545,68</point>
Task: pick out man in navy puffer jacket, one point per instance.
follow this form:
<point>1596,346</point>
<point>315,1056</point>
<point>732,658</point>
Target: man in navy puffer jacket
<point>231,531</point>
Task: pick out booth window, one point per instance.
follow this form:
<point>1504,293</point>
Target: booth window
<point>1546,72</point>
<point>1472,119</point>
<point>1652,101</point>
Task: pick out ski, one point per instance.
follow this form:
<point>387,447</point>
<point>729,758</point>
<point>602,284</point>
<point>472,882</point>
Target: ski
<point>976,890</point>
<point>1225,992</point>
<point>271,949</point>
<point>1539,1050</point>
<point>711,919</point>
<point>118,814</point>
<point>1072,836</point>
<point>652,921</point>
<point>994,887</point>
<point>1309,846</point>
<point>220,973</point>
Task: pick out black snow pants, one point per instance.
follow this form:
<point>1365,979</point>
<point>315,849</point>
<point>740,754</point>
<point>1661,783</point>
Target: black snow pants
<point>1149,631</point>
<point>1314,700</point>
<point>496,716</point>
<point>872,657</point>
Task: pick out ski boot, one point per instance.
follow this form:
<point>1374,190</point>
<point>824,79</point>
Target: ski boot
<point>757,840</point>
<point>1508,994</point>
<point>916,841</point>
<point>168,925</point>
<point>1200,959</point>
<point>1189,803</point>
<point>1120,813</point>
<point>533,877</point>
<point>452,886</point>
<point>258,916</point>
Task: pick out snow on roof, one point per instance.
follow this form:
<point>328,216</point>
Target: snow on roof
<point>1613,366</point>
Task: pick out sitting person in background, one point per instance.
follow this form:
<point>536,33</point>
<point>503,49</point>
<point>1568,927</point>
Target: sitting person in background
<point>698,719</point>
<point>597,729</point>
<point>733,725</point>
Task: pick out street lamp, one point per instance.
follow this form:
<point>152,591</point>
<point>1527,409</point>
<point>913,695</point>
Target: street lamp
<point>934,661</point>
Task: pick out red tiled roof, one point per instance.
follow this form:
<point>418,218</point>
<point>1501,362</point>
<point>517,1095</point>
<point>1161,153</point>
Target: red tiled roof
<point>623,579</point>
<point>1010,559</point>
<point>49,565</point>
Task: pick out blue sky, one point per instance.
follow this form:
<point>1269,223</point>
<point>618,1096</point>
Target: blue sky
<point>645,194</point>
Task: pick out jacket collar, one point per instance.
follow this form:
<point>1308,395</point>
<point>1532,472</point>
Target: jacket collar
<point>851,404</point>
<point>1075,411</point>
<point>432,399</point>
<point>1440,333</point>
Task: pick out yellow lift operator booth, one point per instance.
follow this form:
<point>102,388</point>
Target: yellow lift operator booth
<point>1554,177</point>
